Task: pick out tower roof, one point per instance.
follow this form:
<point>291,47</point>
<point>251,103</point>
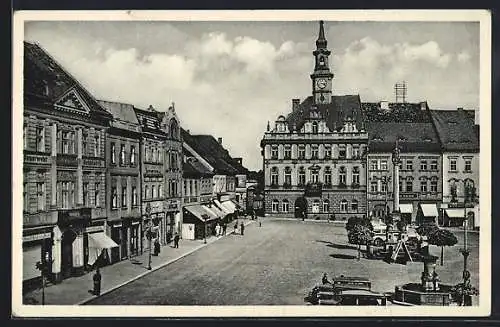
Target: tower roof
<point>321,41</point>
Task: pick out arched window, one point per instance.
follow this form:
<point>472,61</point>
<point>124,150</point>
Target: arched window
<point>314,176</point>
<point>342,176</point>
<point>146,192</point>
<point>469,190</point>
<point>275,205</point>
<point>174,129</point>
<point>315,128</point>
<point>153,191</point>
<point>343,205</point>
<point>326,205</point>
<point>288,176</point>
<point>274,176</point>
<point>327,178</point>
<point>355,176</point>
<point>315,206</point>
<point>354,205</point>
<point>285,206</point>
<point>302,176</point>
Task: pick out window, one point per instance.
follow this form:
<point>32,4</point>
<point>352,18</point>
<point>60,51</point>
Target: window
<point>285,206</point>
<point>373,165</point>
<point>153,191</point>
<point>146,192</point>
<point>342,176</point>
<point>134,196</point>
<point>355,152</point>
<point>97,146</point>
<point>383,164</point>
<point>423,165</point>
<point>302,176</point>
<point>314,176</point>
<point>160,191</point>
<point>314,151</point>
<point>274,152</point>
<point>373,186</point>
<point>147,154</point>
<point>25,137</point>
<point>160,155</point>
<point>122,154</point>
<point>342,151</point>
<point>343,205</point>
<point>328,176</point>
<point>97,201</point>
<point>423,186</point>
<point>355,176</point>
<point>302,151</point>
<point>40,194</point>
<point>315,128</point>
<point>434,165</point>
<point>174,161</point>
<point>274,176</point>
<point>326,205</point>
<point>86,194</point>
<point>114,198</point>
<point>468,165</point>
<point>434,186</point>
<point>132,155</point>
<point>155,157</point>
<point>453,164</point>
<point>65,142</point>
<point>409,185</point>
<point>275,205</point>
<point>68,194</point>
<point>384,187</point>
<point>40,139</point>
<point>469,191</point>
<point>288,176</point>
<point>84,144</point>
<point>288,152</point>
<point>409,165</point>
<point>25,197</point>
<point>185,187</point>
<point>113,154</point>
<point>354,205</point>
<point>191,187</point>
<point>124,197</point>
<point>328,151</point>
<point>173,129</point>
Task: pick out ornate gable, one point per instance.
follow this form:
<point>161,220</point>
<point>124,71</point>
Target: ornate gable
<point>71,101</point>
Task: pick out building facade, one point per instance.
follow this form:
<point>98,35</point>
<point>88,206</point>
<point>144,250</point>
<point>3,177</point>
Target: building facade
<point>314,159</point>
<point>123,181</point>
<point>64,169</point>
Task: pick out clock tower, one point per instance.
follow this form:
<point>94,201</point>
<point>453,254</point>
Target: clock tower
<point>321,77</point>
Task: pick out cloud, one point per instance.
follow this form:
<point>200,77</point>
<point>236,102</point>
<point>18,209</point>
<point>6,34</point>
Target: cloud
<point>463,56</point>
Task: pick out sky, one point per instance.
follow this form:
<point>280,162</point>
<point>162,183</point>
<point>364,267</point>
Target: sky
<point>228,79</point>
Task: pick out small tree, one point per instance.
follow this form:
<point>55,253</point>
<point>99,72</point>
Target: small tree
<point>442,238</point>
<point>354,221</point>
<point>360,235</point>
<point>427,229</point>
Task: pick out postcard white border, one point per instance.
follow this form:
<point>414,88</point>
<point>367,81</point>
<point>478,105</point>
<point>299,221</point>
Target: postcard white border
<point>481,16</point>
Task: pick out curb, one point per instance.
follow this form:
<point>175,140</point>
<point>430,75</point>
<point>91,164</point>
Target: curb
<point>153,269</point>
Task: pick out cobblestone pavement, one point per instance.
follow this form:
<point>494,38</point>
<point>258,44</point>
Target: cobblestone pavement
<point>277,264</point>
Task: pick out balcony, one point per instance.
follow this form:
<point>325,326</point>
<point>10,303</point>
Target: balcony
<point>40,218</point>
<point>95,162</point>
<point>37,158</point>
<point>69,160</point>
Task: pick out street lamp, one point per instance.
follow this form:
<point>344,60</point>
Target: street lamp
<point>43,266</point>
<point>150,232</point>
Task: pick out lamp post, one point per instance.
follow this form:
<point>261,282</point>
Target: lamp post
<point>43,266</point>
<point>150,233</point>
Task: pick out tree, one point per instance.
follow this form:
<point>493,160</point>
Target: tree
<point>427,229</point>
<point>361,235</point>
<point>442,238</point>
<point>353,221</point>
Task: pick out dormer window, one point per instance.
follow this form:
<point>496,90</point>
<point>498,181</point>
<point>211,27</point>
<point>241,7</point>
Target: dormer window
<point>315,128</point>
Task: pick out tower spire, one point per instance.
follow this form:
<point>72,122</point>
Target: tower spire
<point>321,41</point>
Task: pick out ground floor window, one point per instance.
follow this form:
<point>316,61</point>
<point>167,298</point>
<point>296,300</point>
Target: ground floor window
<point>275,206</point>
<point>343,205</point>
<point>354,205</point>
<point>326,206</point>
<point>315,206</point>
<point>285,206</point>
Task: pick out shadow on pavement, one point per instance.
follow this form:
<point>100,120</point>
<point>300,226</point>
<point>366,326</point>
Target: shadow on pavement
<point>338,246</point>
<point>342,256</point>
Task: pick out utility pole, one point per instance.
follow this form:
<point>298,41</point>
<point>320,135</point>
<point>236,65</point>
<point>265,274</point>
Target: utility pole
<point>150,232</point>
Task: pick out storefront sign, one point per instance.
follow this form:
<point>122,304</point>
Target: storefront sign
<point>74,216</point>
<point>94,229</point>
<point>36,237</point>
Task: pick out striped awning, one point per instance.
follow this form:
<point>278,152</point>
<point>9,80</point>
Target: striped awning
<point>455,213</point>
<point>198,212</point>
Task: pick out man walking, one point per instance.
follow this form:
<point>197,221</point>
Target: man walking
<point>217,229</point>
<point>176,240</point>
<point>224,227</point>
<point>242,227</point>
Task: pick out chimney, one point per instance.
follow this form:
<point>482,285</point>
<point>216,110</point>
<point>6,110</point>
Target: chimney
<point>187,131</point>
<point>219,140</point>
<point>239,160</point>
<point>423,105</point>
<point>384,105</point>
<point>150,108</point>
<point>295,104</point>
<point>460,109</point>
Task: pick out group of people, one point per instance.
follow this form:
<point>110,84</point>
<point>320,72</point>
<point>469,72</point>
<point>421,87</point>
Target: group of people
<point>220,229</point>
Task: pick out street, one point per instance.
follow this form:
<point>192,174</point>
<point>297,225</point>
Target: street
<point>277,264</point>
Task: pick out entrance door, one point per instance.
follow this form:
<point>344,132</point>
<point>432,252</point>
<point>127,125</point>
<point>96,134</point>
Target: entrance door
<point>115,252</point>
<point>300,207</point>
<point>315,206</point>
<point>124,242</point>
<point>67,240</point>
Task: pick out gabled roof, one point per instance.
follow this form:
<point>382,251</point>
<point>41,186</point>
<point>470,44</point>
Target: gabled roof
<point>334,113</point>
<point>194,168</point>
<point>456,130</point>
<point>47,83</point>
<point>149,120</point>
<point>123,115</point>
<point>396,112</point>
<point>210,149</point>
<point>414,137</point>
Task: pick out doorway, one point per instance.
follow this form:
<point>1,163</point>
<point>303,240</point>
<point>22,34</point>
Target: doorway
<point>300,207</point>
<point>68,237</point>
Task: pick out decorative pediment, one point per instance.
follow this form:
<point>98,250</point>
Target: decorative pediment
<point>72,101</point>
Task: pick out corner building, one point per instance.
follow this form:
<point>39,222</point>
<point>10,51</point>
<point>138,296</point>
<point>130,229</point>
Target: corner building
<point>314,159</point>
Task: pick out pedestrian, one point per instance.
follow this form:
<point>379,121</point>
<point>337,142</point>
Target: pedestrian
<point>224,227</point>
<point>217,229</point>
<point>176,240</point>
<point>97,281</point>
<point>260,222</point>
<point>236,227</point>
<point>325,280</point>
<point>242,228</point>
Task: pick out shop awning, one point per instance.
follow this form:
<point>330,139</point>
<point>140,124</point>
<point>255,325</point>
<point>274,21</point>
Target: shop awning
<point>198,212</point>
<point>429,209</point>
<point>218,212</point>
<point>406,208</point>
<point>223,208</point>
<point>455,213</point>
<point>230,205</point>
<point>101,241</point>
<point>211,213</point>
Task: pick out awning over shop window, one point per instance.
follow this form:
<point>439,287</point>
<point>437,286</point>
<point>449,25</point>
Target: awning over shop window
<point>198,212</point>
<point>223,208</point>
<point>97,243</point>
<point>218,212</point>
<point>406,208</point>
<point>455,213</point>
<point>429,209</point>
<point>230,205</point>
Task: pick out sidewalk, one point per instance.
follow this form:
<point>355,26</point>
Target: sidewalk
<point>75,290</point>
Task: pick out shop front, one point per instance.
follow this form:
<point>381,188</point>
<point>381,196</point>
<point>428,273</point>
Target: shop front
<point>196,222</point>
<point>173,219</point>
<point>37,247</point>
<point>454,217</point>
<point>406,210</point>
<point>427,213</point>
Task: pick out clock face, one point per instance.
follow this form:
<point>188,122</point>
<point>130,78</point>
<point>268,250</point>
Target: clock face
<point>321,83</point>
